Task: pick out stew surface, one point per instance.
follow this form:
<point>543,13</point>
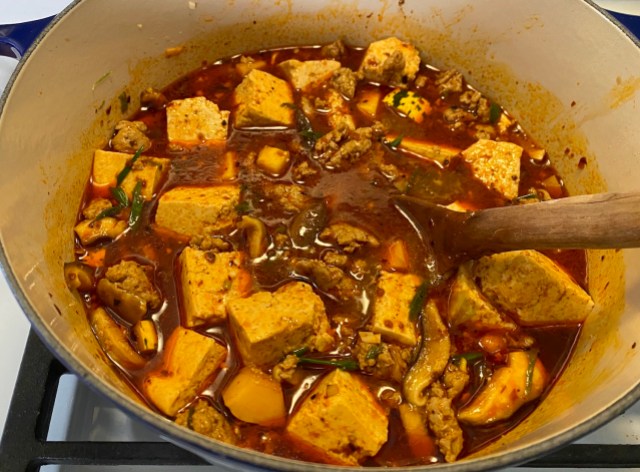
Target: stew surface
<point>244,267</point>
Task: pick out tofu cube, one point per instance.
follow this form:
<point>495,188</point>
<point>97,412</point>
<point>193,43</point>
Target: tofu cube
<point>273,160</point>
<point>497,164</point>
<point>533,288</point>
<point>391,309</point>
<point>268,326</point>
<point>340,420</point>
<point>263,99</point>
<point>469,308</point>
<point>149,170</point>
<point>197,210</point>
<point>308,74</point>
<point>409,103</point>
<point>196,120</point>
<point>189,363</point>
<point>208,280</point>
<point>390,61</point>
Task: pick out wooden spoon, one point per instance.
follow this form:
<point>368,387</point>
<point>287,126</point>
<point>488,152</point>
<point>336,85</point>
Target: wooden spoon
<point>607,220</point>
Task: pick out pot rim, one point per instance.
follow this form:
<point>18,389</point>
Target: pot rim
<point>240,457</point>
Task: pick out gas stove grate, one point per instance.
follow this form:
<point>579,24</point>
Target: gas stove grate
<point>24,446</point>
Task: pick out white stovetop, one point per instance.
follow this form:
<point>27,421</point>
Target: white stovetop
<point>14,327</point>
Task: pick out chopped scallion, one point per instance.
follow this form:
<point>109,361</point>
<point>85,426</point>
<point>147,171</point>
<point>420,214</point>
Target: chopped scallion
<point>494,113</point>
<point>373,352</point>
<point>528,384</point>
<point>344,364</point>
<point>137,202</point>
<point>127,168</point>
<point>120,196</point>
<point>417,302</point>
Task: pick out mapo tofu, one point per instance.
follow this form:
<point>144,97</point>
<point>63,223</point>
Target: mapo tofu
<point>242,263</point>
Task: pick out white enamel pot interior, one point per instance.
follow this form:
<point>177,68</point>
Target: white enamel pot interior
<point>565,70</point>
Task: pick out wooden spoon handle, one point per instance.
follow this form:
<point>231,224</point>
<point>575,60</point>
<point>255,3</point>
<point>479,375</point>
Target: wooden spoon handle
<point>608,220</point>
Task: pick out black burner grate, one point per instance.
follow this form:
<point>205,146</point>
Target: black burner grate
<point>24,445</point>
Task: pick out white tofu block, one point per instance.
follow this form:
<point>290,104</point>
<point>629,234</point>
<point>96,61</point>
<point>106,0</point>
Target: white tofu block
<point>263,99</point>
<point>391,308</point>
<point>305,75</point>
<point>149,170</point>
<point>196,120</point>
<point>198,210</point>
<point>269,325</point>
<point>533,288</point>
<point>208,280</point>
<point>497,164</point>
<point>340,420</point>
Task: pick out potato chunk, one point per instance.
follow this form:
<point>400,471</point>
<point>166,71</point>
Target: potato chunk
<point>190,360</point>
<point>340,420</point>
<point>308,74</point>
<point>255,397</point>
<point>409,103</point>
<point>208,281</point>
<point>196,120</point>
<point>390,61</point>
<point>391,317</point>
<point>522,380</point>
<point>263,100</point>
<point>273,160</point>
<point>149,170</point>
<point>497,164</point>
<point>533,288</point>
<point>269,325</point>
<point>197,210</point>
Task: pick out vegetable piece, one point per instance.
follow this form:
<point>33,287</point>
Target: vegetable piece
<point>146,336</point>
<point>114,341</point>
<point>432,359</point>
<point>129,306</point>
<point>273,160</point>
<point>417,302</point>
<point>127,168</point>
<point>553,186</point>
<point>90,231</point>
<point>346,363</point>
<point>189,362</point>
<point>494,113</point>
<point>420,442</point>
<point>137,202</point>
<point>257,237</point>
<point>436,152</point>
<point>507,390</point>
<point>229,166</point>
<point>409,103</point>
<point>203,418</point>
<point>306,225</point>
<point>367,102</point>
<point>255,397</point>
<point>79,276</point>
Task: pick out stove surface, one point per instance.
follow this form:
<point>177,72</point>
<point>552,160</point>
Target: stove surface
<point>79,414</point>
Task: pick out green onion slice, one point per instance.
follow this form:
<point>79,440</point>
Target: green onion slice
<point>125,171</point>
<point>137,202</point>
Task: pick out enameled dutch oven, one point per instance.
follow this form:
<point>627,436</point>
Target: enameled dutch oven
<point>568,72</point>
